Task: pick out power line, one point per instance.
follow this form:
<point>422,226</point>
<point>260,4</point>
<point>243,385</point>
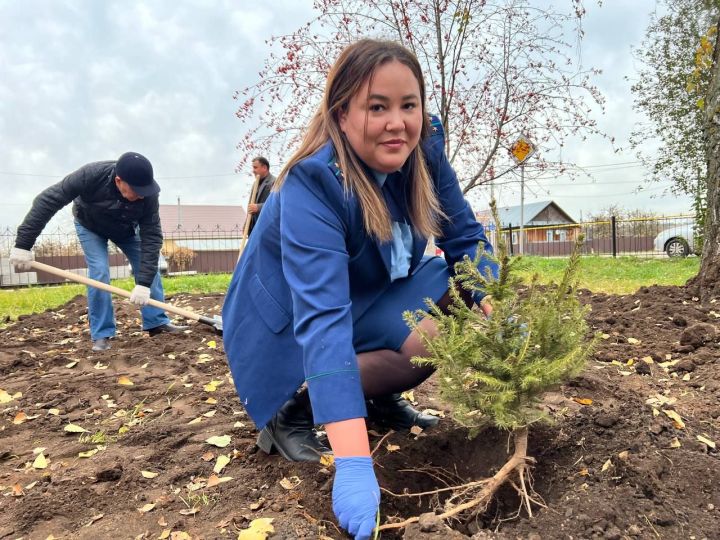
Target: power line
<point>619,165</point>
<point>7,173</point>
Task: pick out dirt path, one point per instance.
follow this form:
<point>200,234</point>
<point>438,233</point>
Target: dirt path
<point>614,465</point>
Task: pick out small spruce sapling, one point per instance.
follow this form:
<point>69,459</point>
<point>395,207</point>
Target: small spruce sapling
<point>495,370</point>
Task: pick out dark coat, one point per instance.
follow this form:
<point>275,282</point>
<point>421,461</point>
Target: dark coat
<point>99,207</point>
<point>263,192</point>
<point>310,270</point>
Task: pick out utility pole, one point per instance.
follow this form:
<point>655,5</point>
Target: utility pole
<point>522,208</point>
<point>521,150</point>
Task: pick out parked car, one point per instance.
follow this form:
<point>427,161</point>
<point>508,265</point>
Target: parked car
<point>162,265</point>
<point>676,241</point>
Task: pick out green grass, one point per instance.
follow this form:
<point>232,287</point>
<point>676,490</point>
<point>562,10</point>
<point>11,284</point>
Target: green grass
<point>623,275</point>
<point>16,302</point>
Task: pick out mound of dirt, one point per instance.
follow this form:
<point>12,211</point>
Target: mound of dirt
<point>630,455</point>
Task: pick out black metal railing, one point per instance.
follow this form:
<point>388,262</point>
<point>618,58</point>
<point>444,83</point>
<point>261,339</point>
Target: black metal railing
<point>213,250</point>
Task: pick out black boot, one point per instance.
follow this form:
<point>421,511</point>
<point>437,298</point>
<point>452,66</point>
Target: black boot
<point>395,412</point>
<point>291,433</point>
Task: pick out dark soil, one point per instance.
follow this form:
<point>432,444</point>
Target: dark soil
<point>615,467</point>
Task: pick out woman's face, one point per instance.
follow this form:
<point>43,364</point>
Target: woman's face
<point>384,119</point>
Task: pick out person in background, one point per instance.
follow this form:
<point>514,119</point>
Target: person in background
<point>112,200</point>
<point>261,171</point>
<point>313,326</point>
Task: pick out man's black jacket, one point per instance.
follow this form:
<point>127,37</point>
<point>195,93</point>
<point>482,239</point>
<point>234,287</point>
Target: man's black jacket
<point>99,206</point>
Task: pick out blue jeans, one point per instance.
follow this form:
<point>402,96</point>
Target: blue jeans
<point>100,307</point>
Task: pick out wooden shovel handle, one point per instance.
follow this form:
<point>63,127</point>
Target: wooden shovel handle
<point>111,289</point>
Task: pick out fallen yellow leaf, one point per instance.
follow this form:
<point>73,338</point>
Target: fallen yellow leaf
<point>146,508</point>
<point>221,441</point>
<point>327,460</point>
<point>54,412</point>
<point>125,381</point>
<point>220,464</point>
<point>290,483</point>
<point>212,386</point>
<point>392,447</point>
<point>212,344</point>
<point>606,465</point>
<point>259,529</point>
<point>583,401</point>
<point>706,441</point>
<point>72,428</point>
<point>211,400</point>
<point>148,474</point>
<point>675,417</point>
<point>40,462</point>
<point>20,418</point>
<point>89,453</point>
<point>214,480</point>
<point>633,341</point>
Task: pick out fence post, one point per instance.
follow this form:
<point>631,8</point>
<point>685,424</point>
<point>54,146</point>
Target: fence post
<point>613,233</point>
<point>511,241</point>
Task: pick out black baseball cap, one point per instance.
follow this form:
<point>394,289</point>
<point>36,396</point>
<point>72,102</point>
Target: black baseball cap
<point>136,170</point>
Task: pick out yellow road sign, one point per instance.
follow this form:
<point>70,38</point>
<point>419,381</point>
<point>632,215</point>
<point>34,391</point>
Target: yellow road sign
<point>522,149</point>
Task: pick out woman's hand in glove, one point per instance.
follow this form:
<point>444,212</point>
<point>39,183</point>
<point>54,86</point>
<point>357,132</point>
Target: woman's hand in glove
<point>356,495</point>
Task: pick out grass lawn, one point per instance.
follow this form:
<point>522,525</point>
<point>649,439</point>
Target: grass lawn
<point>623,275</point>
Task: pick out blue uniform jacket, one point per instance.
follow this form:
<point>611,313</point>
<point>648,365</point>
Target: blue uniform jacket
<point>309,270</point>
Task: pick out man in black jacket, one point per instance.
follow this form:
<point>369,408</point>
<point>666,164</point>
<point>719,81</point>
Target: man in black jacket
<point>112,200</point>
<point>261,171</point>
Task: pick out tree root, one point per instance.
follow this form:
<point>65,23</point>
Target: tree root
<point>517,464</point>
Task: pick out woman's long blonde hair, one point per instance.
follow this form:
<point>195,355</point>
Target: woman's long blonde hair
<point>356,65</point>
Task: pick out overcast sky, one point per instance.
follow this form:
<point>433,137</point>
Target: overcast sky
<point>86,80</point>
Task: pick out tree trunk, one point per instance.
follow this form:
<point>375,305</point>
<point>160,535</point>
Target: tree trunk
<point>708,278</point>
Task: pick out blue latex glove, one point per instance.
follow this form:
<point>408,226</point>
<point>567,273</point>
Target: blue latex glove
<point>356,495</point>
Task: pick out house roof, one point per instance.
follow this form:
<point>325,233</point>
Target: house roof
<point>510,215</point>
<point>201,218</point>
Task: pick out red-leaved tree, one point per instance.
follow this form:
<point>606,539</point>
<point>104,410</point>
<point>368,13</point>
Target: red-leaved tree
<point>494,69</point>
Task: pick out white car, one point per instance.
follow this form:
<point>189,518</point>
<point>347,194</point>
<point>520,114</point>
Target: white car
<point>677,241</point>
<point>162,265</point>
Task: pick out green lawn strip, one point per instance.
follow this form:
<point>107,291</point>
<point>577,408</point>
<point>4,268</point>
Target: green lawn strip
<point>36,299</point>
<point>623,275</point>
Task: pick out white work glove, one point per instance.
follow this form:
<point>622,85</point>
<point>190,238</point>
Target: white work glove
<point>20,259</point>
<point>140,295</point>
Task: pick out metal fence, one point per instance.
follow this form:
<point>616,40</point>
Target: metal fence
<point>187,252</point>
<point>216,251</point>
<point>660,236</point>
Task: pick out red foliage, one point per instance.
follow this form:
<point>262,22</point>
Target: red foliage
<point>494,70</point>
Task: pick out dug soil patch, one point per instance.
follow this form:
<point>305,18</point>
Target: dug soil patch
<point>631,453</point>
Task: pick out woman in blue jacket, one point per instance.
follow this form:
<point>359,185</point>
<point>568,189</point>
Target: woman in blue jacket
<point>336,257</point>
